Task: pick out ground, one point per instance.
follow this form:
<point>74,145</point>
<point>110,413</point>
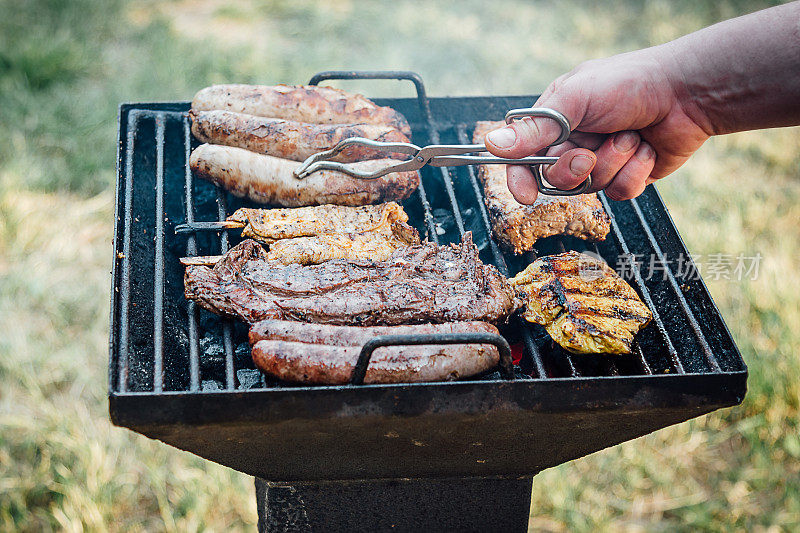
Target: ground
<point>65,66</point>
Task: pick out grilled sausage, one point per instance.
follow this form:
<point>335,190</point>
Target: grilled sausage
<point>287,138</point>
<point>289,330</point>
<point>320,248</point>
<point>270,180</point>
<point>313,104</point>
<point>330,362</point>
<point>333,365</point>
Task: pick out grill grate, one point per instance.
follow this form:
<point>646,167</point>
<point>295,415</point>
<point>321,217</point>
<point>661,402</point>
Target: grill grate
<point>458,193</point>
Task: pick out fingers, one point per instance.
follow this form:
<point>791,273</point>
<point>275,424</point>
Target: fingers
<point>572,167</point>
<point>632,178</point>
<point>612,156</point>
<point>522,184</point>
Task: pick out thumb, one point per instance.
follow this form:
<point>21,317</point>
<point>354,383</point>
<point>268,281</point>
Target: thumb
<point>529,135</point>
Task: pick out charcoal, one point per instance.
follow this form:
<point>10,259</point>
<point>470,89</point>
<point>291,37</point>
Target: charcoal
<point>211,385</point>
<point>212,352</point>
<point>248,378</point>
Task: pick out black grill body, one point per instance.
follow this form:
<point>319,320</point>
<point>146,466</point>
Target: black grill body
<point>184,376</point>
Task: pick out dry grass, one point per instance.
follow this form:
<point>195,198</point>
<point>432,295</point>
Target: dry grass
<point>64,66</point>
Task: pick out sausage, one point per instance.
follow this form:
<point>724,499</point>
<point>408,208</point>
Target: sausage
<point>293,356</point>
<point>270,180</point>
<point>289,330</point>
<point>313,104</point>
<point>287,138</point>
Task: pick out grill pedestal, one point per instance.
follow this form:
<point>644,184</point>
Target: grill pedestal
<point>454,504</point>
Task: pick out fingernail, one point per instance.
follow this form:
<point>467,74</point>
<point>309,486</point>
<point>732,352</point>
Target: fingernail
<point>502,138</point>
<point>625,141</point>
<point>645,152</point>
<point>581,164</point>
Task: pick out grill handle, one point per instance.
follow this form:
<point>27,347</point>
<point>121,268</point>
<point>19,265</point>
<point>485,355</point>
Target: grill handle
<point>506,365</point>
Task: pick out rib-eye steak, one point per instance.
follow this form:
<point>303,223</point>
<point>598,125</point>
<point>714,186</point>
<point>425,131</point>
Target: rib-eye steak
<point>421,283</point>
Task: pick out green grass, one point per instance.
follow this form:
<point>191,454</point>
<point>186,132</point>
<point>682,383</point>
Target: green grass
<point>65,66</point>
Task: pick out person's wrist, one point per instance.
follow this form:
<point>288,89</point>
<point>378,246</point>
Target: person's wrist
<point>676,67</point>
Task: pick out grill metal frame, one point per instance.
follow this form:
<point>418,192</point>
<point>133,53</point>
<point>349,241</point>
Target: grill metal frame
<point>276,432</point>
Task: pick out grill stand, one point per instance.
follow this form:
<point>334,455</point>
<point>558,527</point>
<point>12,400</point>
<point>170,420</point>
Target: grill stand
<point>454,504</point>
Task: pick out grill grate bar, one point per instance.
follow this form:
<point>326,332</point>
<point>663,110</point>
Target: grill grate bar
<point>497,255</point>
<point>158,273</point>
<point>447,178</point>
<point>191,250</point>
<point>227,336</point>
<point>642,360</point>
<point>701,338</point>
<point>499,260</point>
<point>125,277</point>
<point>676,361</point>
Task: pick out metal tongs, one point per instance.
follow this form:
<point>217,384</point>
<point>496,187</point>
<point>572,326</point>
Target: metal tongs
<point>447,155</point>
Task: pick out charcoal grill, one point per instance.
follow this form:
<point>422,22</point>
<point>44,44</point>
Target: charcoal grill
<point>461,454</point>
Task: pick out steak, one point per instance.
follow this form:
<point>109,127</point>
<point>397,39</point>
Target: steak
<point>417,284</point>
<point>518,226</point>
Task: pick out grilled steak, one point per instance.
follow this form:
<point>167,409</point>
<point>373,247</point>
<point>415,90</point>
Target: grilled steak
<point>326,354</point>
<point>289,139</point>
<point>417,284</point>
<point>584,305</point>
<point>269,225</point>
<point>313,104</point>
<point>270,180</point>
<point>519,226</point>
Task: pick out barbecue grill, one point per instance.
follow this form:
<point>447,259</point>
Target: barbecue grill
<point>460,454</point>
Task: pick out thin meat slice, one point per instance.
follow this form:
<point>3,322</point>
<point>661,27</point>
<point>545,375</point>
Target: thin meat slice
<point>270,180</point>
<point>325,354</point>
<point>303,103</point>
<point>518,226</point>
<point>320,248</point>
<point>270,225</point>
<point>417,284</point>
<point>290,139</point>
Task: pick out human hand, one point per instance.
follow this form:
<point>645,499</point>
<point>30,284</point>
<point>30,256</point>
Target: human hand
<point>631,126</point>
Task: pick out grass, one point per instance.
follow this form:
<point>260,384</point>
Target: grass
<point>64,67</point>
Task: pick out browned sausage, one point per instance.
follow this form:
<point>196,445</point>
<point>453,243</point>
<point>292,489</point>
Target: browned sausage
<point>289,330</point>
<point>313,104</point>
<point>327,361</point>
<point>289,139</point>
<point>270,180</point>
